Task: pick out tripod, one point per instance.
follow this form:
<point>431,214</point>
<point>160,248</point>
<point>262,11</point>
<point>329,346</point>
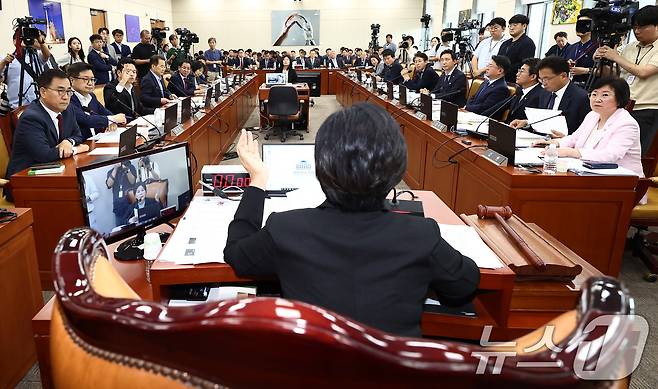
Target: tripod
<point>465,56</point>
<point>34,69</point>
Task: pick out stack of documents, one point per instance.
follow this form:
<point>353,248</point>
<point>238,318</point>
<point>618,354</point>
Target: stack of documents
<point>538,118</point>
<point>467,241</point>
<point>470,121</point>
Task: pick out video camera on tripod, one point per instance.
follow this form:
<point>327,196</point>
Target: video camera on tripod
<point>463,41</point>
<point>186,39</point>
<point>610,21</point>
<point>158,35</point>
<point>374,36</point>
<point>28,34</point>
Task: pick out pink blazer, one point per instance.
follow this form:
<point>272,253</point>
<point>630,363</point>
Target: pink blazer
<point>620,144</point>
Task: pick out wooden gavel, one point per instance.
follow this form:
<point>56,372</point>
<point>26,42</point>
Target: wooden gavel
<point>501,214</point>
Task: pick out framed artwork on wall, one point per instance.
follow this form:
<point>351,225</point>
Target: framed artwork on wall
<point>51,12</point>
<point>566,11</point>
<point>296,28</point>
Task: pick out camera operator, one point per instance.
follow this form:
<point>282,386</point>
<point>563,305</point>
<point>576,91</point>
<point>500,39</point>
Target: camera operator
<point>175,55</point>
<point>404,52</point>
<point>11,69</point>
<point>142,53</point>
<point>639,67</point>
<point>581,54</point>
<point>121,180</point>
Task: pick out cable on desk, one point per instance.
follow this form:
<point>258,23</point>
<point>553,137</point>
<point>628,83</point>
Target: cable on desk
<point>450,159</point>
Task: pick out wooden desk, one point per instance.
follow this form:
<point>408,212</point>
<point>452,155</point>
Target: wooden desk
<point>327,77</point>
<point>55,199</point>
<point>303,96</point>
<point>589,214</point>
<point>20,297</point>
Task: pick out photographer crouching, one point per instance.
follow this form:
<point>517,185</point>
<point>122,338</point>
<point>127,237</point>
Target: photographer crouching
<point>639,67</point>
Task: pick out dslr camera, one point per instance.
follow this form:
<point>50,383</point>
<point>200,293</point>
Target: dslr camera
<point>610,21</point>
<point>28,34</point>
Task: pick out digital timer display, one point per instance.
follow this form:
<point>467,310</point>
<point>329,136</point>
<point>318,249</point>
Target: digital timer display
<point>241,180</point>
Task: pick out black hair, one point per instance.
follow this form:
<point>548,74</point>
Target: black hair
<point>46,78</point>
<point>74,69</point>
<point>211,39</point>
<point>117,31</point>
<point>482,30</point>
<point>376,57</point>
<point>410,37</point>
<point>422,55</point>
<point>619,86</point>
<point>100,30</point>
<point>449,52</point>
<point>280,63</point>
<point>645,16</point>
<point>155,60</point>
<point>502,62</point>
<point>171,37</point>
<point>499,22</point>
<point>389,36</point>
<point>95,37</point>
<point>532,65</point>
<point>388,53</point>
<point>519,18</point>
<point>123,62</point>
<point>187,61</point>
<point>360,155</point>
<point>81,53</point>
<point>560,34</point>
<point>196,65</point>
<point>557,64</point>
<point>140,183</point>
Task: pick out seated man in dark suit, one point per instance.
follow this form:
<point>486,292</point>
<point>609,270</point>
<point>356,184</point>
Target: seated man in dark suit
<point>240,62</point>
<point>452,85</point>
<point>530,93</point>
<point>313,61</point>
<point>493,91</point>
<point>563,94</point>
<point>392,68</point>
<point>120,96</point>
<point>100,61</point>
<point>90,114</point>
<point>181,83</point>
<point>152,87</point>
<point>425,76</point>
<point>360,276</point>
<point>335,62</point>
<point>47,130</point>
<point>267,62</point>
<point>362,60</point>
<point>300,62</point>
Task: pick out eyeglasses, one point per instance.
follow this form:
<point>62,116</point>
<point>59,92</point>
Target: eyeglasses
<point>87,80</point>
<point>130,71</point>
<point>62,92</point>
<point>547,79</point>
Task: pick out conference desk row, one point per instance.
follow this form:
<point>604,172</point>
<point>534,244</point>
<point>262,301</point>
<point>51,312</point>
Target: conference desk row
<point>590,215</point>
<point>55,199</point>
<point>327,77</point>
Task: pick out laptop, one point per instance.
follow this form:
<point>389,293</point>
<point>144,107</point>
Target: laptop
<point>272,79</point>
<point>403,95</point>
<point>290,165</point>
<point>186,109</point>
<point>426,105</point>
<point>127,141</point>
<point>448,114</point>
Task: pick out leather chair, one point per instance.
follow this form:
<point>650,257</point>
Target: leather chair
<point>475,85</point>
<point>103,335</point>
<point>283,108</point>
<point>512,91</point>
<point>98,91</point>
<point>4,161</point>
<point>157,190</point>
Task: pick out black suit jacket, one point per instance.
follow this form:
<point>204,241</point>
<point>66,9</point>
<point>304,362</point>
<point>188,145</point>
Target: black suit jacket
<point>120,102</point>
<point>101,67</point>
<point>339,60</point>
<point>150,91</point>
<point>36,137</point>
<point>392,73</point>
<point>425,80</point>
<point>487,101</point>
<point>266,64</point>
<point>374,267</point>
<point>313,63</point>
<point>456,82</point>
<point>175,85</point>
<point>235,62</point>
<point>361,62</point>
<point>574,105</point>
<point>520,102</point>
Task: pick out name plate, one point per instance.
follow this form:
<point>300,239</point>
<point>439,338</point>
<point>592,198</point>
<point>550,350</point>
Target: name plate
<point>495,157</point>
<point>198,115</point>
<point>420,115</point>
<point>440,126</point>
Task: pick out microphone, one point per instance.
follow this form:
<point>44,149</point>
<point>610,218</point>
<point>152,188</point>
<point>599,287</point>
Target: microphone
<point>527,127</point>
<point>136,115</point>
<point>501,105</point>
<point>448,94</point>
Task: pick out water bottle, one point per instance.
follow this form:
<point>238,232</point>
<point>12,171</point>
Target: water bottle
<point>550,159</point>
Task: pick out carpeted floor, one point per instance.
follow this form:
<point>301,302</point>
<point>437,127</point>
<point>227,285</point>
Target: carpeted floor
<point>645,377</point>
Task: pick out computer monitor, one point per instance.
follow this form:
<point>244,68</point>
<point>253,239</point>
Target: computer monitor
<point>426,105</point>
<point>290,165</point>
<point>389,90</point>
<point>125,196</point>
<point>186,109</point>
<point>403,95</point>
<point>275,79</point>
<point>208,101</point>
<point>358,75</point>
<point>171,118</point>
<point>218,89</point>
<point>502,139</point>
<point>448,114</point>
<point>128,141</point>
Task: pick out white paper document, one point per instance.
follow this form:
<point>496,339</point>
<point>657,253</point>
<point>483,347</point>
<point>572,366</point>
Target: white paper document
<point>538,118</point>
<point>525,138</point>
<point>105,151</point>
<point>200,236</point>
<point>308,197</point>
<point>579,169</point>
<point>467,241</point>
<point>216,294</point>
<point>528,156</point>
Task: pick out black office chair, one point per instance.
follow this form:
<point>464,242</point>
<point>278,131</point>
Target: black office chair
<point>283,108</point>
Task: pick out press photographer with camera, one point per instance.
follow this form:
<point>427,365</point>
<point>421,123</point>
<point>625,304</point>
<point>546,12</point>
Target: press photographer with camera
<point>639,67</point>
<point>405,57</point>
<point>143,51</point>
<point>175,55</point>
<point>581,54</point>
<point>31,50</point>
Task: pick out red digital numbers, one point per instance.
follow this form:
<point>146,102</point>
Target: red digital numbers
<point>224,181</point>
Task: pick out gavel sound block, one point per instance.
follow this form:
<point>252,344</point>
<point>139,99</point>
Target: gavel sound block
<point>528,254</point>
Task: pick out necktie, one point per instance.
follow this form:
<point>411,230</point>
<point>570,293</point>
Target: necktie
<point>184,84</point>
<point>447,78</point>
<point>240,63</point>
<point>484,86</point>
<point>60,126</point>
<point>551,101</point>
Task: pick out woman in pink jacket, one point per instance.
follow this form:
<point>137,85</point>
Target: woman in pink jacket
<point>608,133</point>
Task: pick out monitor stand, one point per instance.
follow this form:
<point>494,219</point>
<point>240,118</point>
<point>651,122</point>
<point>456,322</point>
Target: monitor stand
<point>130,250</point>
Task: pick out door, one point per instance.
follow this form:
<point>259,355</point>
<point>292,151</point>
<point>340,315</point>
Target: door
<point>98,19</point>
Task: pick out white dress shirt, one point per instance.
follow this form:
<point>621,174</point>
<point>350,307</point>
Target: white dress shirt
<point>487,49</point>
<point>559,94</point>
